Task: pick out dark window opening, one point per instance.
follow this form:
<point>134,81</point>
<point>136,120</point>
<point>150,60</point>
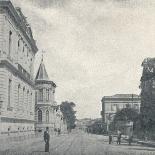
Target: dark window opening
<point>39,115</point>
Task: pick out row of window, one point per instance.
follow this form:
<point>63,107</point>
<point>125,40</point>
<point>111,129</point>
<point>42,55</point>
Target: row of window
<point>23,48</point>
<point>22,128</point>
<point>47,116</point>
<point>41,94</point>
<point>26,94</point>
<point>21,45</point>
<point>115,107</point>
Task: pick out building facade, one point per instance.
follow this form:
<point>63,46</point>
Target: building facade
<point>17,53</point>
<point>47,112</point>
<point>112,104</point>
<point>26,104</point>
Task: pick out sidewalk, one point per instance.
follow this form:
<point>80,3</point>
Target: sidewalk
<point>142,142</point>
<point>7,144</point>
<point>14,142</point>
<point>147,143</point>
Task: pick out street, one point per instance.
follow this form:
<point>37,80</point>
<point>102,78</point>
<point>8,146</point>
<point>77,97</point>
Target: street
<point>77,143</point>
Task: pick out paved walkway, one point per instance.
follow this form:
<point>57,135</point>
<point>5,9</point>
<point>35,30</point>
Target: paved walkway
<point>77,143</point>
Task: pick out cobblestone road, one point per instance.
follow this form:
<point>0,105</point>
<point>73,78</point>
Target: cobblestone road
<point>77,143</point>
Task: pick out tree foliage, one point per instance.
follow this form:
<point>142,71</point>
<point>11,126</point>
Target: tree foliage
<point>67,109</point>
<point>148,110</point>
<point>125,115</point>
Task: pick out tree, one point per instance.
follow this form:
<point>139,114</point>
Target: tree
<point>147,120</point>
<point>126,114</point>
<point>67,108</point>
<point>123,116</point>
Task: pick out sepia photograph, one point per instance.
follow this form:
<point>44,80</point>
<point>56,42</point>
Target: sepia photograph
<point>77,77</point>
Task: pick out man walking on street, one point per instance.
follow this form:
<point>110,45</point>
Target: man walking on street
<point>46,139</point>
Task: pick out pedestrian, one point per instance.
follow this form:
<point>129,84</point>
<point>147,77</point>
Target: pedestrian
<point>46,139</point>
<point>118,137</point>
<point>110,138</point>
<point>59,131</point>
<point>130,139</point>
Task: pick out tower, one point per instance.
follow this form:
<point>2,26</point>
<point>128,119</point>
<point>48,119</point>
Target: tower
<point>45,102</point>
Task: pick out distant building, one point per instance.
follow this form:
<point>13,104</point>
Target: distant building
<point>17,53</point>
<point>111,104</point>
<point>47,112</point>
<point>83,123</point>
<point>90,125</point>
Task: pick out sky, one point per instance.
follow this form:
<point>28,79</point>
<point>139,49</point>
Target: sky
<point>94,48</point>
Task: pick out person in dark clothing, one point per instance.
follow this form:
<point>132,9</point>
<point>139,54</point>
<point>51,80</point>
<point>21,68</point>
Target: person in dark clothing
<point>110,139</point>
<point>130,140</point>
<point>46,139</point>
<point>119,137</point>
<point>59,131</point>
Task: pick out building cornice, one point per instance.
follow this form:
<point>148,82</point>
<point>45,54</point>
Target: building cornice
<point>121,99</point>
<point>45,82</point>
<point>15,71</point>
<point>45,105</point>
<point>15,17</point>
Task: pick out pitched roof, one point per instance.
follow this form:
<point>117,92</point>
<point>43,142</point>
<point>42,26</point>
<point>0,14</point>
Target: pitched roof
<point>42,73</point>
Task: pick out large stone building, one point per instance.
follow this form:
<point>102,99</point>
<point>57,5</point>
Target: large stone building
<point>48,113</point>
<point>17,53</point>
<point>26,103</point>
<point>111,104</point>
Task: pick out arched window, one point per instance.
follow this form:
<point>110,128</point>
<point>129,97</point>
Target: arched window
<point>9,92</point>
<point>10,42</point>
<point>27,98</point>
<point>23,96</point>
<point>39,115</point>
<point>18,43</point>
<point>47,116</point>
<point>18,94</point>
